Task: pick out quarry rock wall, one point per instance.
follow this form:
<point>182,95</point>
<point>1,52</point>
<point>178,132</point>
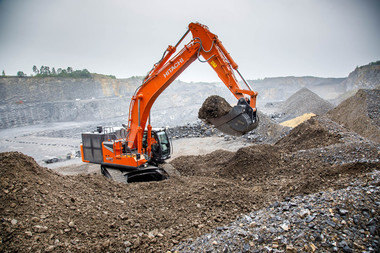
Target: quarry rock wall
<point>28,100</point>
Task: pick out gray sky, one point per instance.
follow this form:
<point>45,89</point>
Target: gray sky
<point>325,38</point>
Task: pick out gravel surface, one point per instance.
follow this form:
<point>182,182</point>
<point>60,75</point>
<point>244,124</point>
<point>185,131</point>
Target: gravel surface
<point>345,220</point>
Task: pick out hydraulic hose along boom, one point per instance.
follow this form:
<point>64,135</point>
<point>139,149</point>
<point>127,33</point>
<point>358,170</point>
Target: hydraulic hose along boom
<point>139,146</point>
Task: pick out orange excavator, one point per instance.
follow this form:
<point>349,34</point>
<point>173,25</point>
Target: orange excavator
<point>133,152</point>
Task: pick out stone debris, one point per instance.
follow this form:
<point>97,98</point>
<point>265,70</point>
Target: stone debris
<point>345,220</point>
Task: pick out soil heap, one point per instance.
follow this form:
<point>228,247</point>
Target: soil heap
<point>43,211</point>
<point>304,101</point>
<point>360,113</point>
<point>214,107</point>
<point>315,151</point>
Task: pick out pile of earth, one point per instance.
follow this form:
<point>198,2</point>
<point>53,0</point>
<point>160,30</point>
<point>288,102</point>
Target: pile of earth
<point>43,211</point>
<point>301,102</point>
<point>360,113</point>
<point>214,107</point>
<point>310,158</point>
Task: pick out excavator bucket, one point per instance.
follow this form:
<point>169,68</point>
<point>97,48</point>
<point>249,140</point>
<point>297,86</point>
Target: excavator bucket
<point>239,121</point>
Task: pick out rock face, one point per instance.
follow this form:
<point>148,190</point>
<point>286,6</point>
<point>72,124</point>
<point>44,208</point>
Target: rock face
<point>51,89</point>
<point>364,77</point>
<point>27,101</point>
<point>360,113</point>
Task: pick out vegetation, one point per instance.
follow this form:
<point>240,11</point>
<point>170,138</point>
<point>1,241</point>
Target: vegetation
<point>45,71</point>
<point>21,74</point>
<point>375,63</point>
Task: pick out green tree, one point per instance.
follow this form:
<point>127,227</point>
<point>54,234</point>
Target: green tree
<point>20,74</point>
<point>35,70</point>
<point>53,72</point>
<point>69,70</point>
<point>3,72</point>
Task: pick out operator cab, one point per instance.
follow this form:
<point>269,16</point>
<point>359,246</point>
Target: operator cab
<point>160,150</point>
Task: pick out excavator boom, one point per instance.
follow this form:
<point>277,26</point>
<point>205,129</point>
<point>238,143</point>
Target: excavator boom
<point>206,44</point>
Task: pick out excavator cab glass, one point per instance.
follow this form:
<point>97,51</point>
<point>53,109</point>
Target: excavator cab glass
<point>162,149</point>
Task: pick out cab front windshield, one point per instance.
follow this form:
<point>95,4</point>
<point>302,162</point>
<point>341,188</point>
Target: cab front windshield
<point>164,142</point>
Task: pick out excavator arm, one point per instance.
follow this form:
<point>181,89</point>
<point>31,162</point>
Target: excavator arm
<point>207,45</point>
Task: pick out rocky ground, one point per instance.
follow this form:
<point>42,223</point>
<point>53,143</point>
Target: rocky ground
<point>44,211</point>
<point>344,220</point>
<point>311,189</point>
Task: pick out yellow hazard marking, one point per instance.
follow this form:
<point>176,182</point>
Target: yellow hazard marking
<point>213,64</point>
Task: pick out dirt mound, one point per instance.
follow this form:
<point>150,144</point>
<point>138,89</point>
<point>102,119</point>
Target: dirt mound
<point>304,101</point>
<point>360,113</point>
<point>313,133</point>
<point>251,161</point>
<point>190,166</point>
<point>305,161</point>
<point>214,107</point>
<point>43,211</point>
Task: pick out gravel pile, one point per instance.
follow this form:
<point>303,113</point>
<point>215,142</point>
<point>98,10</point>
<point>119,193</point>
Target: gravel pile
<point>268,131</point>
<point>345,220</point>
<point>360,113</point>
<point>301,102</point>
<point>197,129</point>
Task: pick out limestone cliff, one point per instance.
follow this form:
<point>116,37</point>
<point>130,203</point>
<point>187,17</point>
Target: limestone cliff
<point>364,77</point>
<point>31,100</point>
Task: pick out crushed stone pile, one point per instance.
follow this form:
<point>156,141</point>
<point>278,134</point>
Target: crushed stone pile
<point>320,222</point>
<point>360,113</point>
<point>214,107</point>
<point>301,102</point>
